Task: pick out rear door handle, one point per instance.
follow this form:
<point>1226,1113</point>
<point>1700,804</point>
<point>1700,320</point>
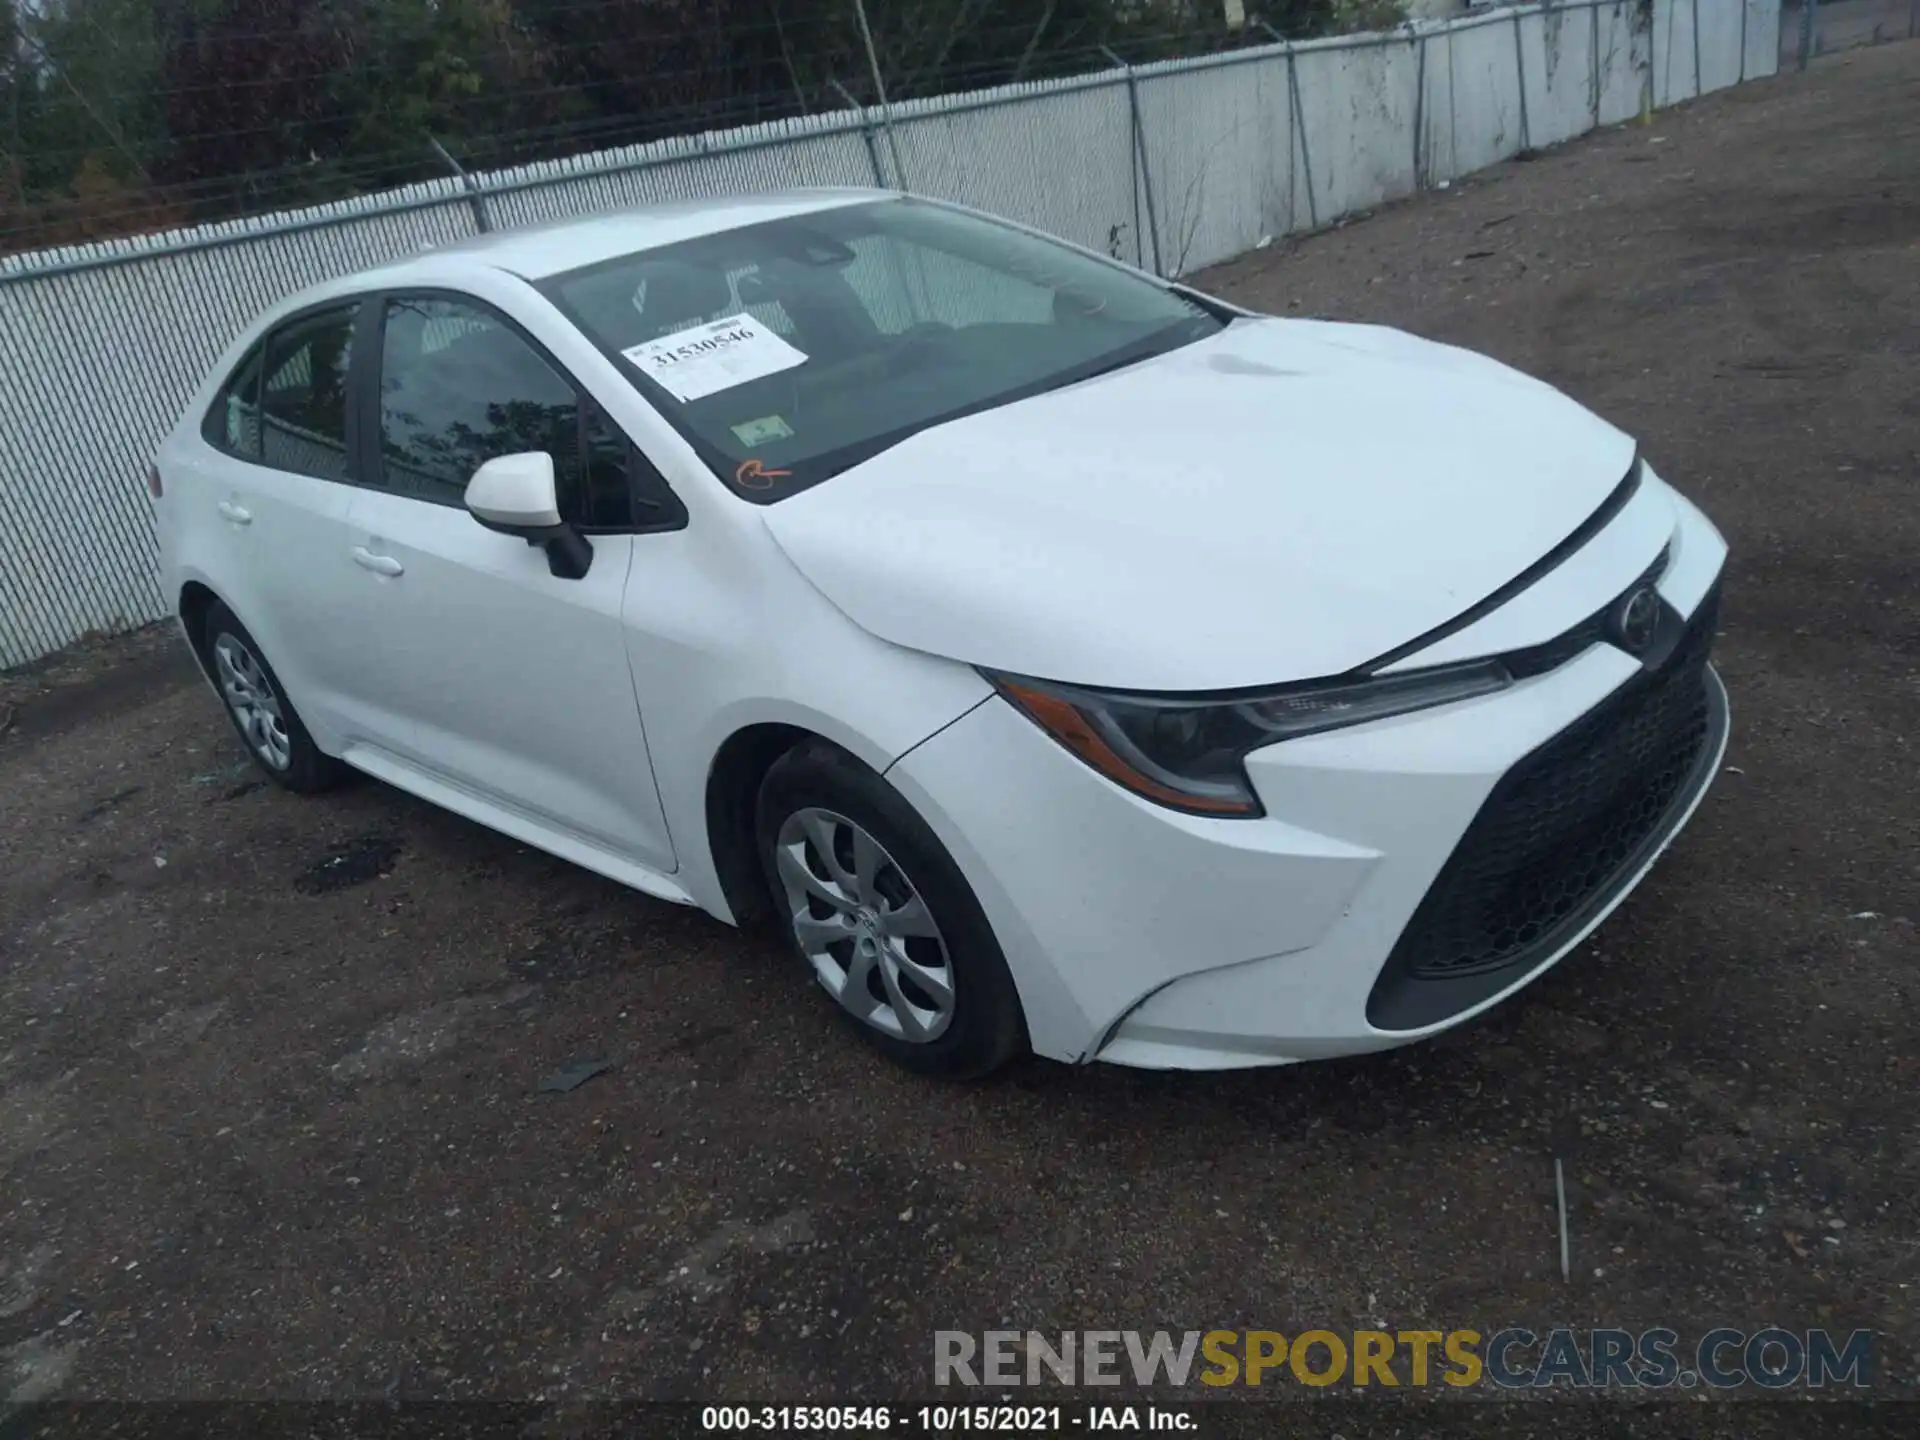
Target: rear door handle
<point>379,564</point>
<point>233,512</point>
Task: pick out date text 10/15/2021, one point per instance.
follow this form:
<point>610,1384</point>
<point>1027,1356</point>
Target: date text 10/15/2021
<point>952,1419</point>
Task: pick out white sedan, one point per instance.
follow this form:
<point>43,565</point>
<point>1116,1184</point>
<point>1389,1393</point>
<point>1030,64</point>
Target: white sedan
<point>1060,658</point>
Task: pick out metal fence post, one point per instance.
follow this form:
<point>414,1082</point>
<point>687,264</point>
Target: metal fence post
<point>1293,129</point>
<point>1806,31</point>
<point>1520,68</point>
<point>1300,129</point>
<point>880,89</point>
<point>1141,161</point>
<point>1653,66</point>
<point>1593,55</point>
<point>866,133</point>
<point>1745,5</point>
<point>1133,150</point>
<point>1694,6</point>
<point>1300,133</point>
<point>476,197</point>
<point>1419,107</point>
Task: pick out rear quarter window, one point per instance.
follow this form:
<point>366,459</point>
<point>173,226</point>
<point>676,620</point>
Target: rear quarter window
<point>232,423</point>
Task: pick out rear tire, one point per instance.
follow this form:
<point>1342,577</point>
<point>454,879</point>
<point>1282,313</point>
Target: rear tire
<point>871,901</point>
<point>258,706</point>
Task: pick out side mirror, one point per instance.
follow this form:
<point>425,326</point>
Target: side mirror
<point>515,495</point>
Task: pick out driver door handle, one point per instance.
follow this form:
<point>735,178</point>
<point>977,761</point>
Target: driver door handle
<point>230,511</point>
<point>379,564</point>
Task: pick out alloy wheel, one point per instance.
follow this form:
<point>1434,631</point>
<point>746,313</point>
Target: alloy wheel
<point>250,696</point>
<point>863,926</point>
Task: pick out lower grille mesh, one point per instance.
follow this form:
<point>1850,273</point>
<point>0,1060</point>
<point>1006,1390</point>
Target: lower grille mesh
<point>1560,825</point>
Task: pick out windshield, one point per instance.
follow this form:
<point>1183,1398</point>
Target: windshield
<point>788,351</point>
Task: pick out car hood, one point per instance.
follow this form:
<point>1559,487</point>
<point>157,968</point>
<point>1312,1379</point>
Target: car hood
<point>1283,500</point>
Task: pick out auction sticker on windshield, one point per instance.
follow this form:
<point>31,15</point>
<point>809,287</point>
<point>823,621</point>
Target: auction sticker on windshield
<point>692,364</point>
<point>763,431</point>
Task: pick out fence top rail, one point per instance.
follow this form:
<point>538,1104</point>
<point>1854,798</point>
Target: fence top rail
<point>422,195</point>
<point>453,190</point>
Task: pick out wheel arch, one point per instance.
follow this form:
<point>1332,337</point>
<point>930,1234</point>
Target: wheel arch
<point>733,787</point>
<point>195,603</point>
<point>756,736</point>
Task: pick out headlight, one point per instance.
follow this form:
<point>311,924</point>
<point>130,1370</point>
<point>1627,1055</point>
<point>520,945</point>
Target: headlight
<point>1189,753</point>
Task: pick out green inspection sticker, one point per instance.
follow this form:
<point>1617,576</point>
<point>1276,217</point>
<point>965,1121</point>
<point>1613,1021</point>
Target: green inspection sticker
<point>763,430</point>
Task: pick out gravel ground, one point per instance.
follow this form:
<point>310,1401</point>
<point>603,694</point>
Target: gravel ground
<point>270,1122</point>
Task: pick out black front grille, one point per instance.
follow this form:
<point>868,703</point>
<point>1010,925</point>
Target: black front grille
<point>1565,823</point>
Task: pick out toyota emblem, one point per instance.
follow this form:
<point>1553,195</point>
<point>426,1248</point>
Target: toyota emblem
<point>1635,619</point>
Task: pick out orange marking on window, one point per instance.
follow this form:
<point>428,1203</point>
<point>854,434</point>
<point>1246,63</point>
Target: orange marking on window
<point>755,476</point>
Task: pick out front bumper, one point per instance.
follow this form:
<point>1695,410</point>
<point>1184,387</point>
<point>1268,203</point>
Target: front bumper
<point>1410,872</point>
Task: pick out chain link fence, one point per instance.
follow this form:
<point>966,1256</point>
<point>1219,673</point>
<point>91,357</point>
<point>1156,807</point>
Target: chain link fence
<point>1819,27</point>
<point>1171,166</point>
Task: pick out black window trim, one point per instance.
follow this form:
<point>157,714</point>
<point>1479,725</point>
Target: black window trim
<point>366,389</point>
<point>215,433</point>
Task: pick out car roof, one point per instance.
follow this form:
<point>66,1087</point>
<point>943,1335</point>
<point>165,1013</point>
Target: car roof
<point>542,250</point>
<point>538,251</point>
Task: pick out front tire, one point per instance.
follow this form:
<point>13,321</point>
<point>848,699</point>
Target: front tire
<point>261,713</point>
<point>876,907</point>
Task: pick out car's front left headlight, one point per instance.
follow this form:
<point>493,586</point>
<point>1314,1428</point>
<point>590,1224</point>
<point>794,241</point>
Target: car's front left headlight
<point>1189,752</point>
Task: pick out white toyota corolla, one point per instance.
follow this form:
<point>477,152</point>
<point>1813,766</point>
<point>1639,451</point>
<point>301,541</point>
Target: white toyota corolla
<point>1060,657</point>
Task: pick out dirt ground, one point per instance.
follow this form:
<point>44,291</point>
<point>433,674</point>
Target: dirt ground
<point>270,1122</point>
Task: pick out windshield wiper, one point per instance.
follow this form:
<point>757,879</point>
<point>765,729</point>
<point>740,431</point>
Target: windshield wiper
<point>1146,349</point>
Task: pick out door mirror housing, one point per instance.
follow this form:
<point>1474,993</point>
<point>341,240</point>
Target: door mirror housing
<point>516,495</point>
